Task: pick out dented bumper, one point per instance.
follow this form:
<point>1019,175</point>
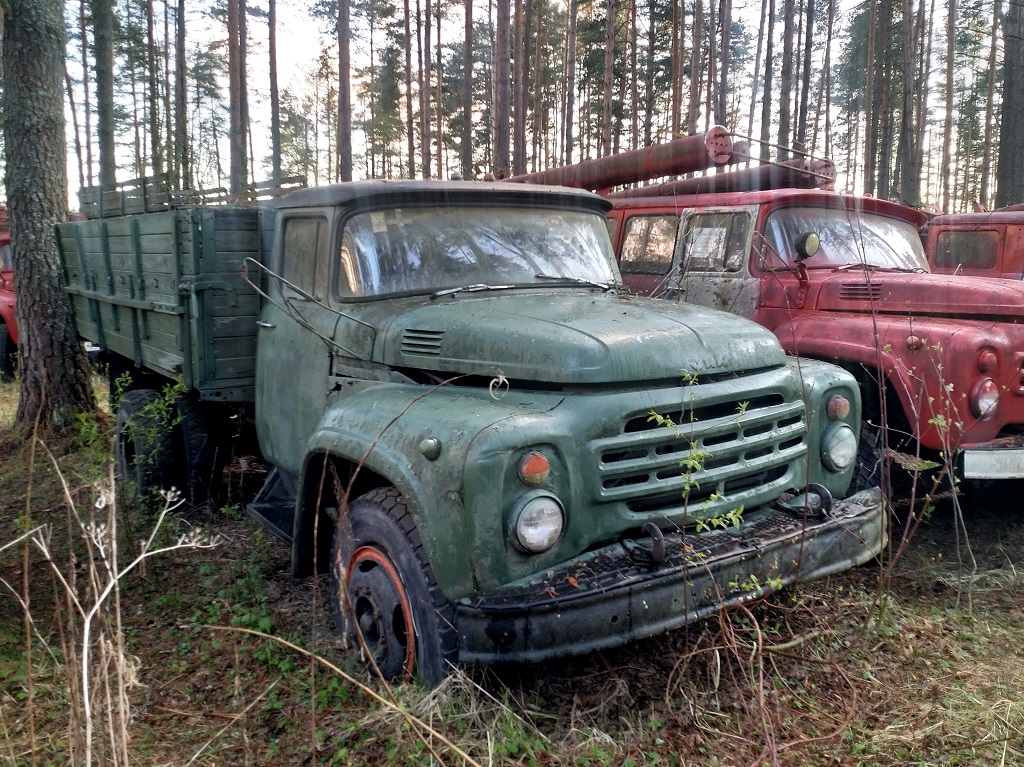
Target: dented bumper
<point>609,597</point>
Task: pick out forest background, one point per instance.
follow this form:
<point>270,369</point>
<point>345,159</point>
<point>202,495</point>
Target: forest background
<point>914,101</point>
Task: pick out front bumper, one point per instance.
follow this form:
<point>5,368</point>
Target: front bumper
<point>605,598</point>
<point>1001,458</point>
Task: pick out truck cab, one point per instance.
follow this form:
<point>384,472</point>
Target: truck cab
<point>984,244</point>
<point>844,278</point>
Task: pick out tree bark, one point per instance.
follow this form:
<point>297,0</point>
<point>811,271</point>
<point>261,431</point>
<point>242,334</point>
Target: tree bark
<point>236,131</point>
<point>54,370</point>
<point>766,102</point>
<point>801,119</point>
<point>1010,178</point>
<point>786,79</point>
<point>907,161</point>
<point>103,42</point>
<point>570,87</point>
<point>182,156</point>
<point>695,66</point>
<point>986,159</point>
<point>344,94</point>
<point>519,91</point>
<point>87,101</point>
<point>467,94</point>
<point>721,115</point>
<point>502,88</point>
<point>609,62</point>
<point>156,150</point>
<point>275,98</point>
<point>947,135</point>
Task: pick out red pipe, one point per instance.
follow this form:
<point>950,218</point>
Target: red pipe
<point>683,155</point>
<point>793,174</point>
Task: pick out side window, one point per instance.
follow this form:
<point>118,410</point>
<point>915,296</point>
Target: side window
<point>648,244</point>
<point>6,258</point>
<point>716,242</point>
<point>972,250</point>
<point>304,239</point>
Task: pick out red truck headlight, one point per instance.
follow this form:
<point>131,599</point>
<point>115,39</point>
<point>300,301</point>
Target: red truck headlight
<point>984,398</point>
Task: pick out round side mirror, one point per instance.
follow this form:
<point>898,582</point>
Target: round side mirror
<point>807,245</point>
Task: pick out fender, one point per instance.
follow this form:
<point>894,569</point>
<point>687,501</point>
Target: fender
<point>841,339</point>
<point>381,429</point>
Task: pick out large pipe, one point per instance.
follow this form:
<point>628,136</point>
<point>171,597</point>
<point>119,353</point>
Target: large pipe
<point>683,155</point>
<point>792,174</point>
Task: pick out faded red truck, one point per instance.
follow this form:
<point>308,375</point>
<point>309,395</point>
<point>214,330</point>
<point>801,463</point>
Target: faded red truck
<point>8,325</point>
<point>840,278</point>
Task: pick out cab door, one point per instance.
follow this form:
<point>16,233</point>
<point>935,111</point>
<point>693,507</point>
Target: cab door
<point>294,344</point>
<point>713,251</point>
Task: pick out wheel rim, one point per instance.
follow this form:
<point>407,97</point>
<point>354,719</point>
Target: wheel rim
<point>380,611</point>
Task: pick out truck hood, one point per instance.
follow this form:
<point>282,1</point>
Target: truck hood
<point>936,295</point>
<point>574,338</point>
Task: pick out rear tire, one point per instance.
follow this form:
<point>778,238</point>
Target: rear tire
<point>383,587</point>
<point>143,442</point>
<point>201,458</point>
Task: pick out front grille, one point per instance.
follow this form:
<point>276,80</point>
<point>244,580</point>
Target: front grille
<point>731,447</point>
<point>422,342</point>
<point>860,291</point>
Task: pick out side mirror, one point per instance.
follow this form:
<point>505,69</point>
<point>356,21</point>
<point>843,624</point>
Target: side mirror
<point>807,245</point>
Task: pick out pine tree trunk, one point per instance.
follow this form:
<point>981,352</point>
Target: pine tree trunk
<point>519,91</point>
<point>344,94</point>
<point>801,119</point>
<point>156,155</point>
<point>786,79</point>
<point>275,97</point>
<point>721,114</point>
<point>236,131</point>
<point>74,125</point>
<point>570,88</point>
<point>1010,175</point>
<point>608,79</point>
<point>986,158</point>
<point>538,89</point>
<point>676,66</point>
<point>467,94</point>
<point>440,103</point>
<point>870,117</point>
<point>649,99</point>
<point>947,135</point>
<point>906,159</point>
<point>425,114</point>
<point>181,141</point>
<point>410,129</point>
<point>695,67</point>
<point>766,103</point>
<point>54,371</point>
<point>502,88</point>
<point>86,100</point>
<point>103,43</point>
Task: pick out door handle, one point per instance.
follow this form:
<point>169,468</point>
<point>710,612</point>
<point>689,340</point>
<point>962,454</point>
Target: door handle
<point>264,324</point>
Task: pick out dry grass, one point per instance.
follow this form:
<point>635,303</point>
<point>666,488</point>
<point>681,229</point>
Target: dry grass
<point>810,678</point>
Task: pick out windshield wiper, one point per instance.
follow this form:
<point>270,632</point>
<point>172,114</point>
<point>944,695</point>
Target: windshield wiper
<point>575,281</point>
<point>470,289</point>
<point>877,268</point>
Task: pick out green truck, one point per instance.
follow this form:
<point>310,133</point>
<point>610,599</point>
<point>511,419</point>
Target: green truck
<point>499,453</point>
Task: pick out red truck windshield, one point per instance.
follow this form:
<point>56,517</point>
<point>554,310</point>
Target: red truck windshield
<point>847,237</point>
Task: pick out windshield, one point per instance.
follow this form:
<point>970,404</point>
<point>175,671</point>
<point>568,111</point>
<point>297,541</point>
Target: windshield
<point>430,248</point>
<point>847,237</point>
<point>6,258</point>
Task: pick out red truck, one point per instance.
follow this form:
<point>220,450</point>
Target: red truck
<point>8,326</point>
<point>987,244</point>
<point>844,279</point>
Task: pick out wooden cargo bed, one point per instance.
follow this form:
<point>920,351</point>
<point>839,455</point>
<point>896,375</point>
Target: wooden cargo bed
<point>167,291</point>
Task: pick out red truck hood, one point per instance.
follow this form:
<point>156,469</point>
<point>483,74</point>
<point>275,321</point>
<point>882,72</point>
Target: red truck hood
<point>936,295</point>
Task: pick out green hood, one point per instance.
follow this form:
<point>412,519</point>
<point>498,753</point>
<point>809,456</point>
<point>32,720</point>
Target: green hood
<point>559,337</point>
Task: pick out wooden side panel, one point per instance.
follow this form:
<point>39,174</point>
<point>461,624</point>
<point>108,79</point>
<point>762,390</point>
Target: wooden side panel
<point>169,292</point>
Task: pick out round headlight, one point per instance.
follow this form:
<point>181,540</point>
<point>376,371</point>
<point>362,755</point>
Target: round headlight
<point>538,525</point>
<point>838,447</point>
<point>984,397</point>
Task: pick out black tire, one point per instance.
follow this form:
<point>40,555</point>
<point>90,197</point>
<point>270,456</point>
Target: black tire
<point>200,456</point>
<point>379,559</point>
<point>8,354</point>
<point>143,442</point>
<point>867,472</point>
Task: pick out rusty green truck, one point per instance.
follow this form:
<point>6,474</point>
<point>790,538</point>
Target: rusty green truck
<point>498,451</point>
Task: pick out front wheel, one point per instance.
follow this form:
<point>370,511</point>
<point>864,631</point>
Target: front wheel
<point>867,472</point>
<point>384,589</point>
